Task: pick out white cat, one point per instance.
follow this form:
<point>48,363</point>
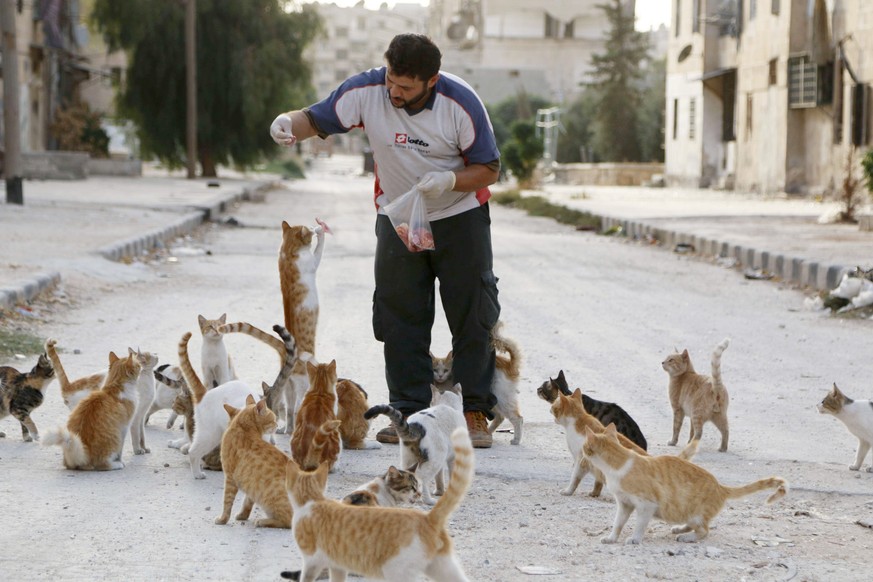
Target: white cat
<point>215,362</point>
<point>425,437</point>
<point>145,395</point>
<point>857,415</point>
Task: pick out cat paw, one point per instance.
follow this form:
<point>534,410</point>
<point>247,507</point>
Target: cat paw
<point>372,445</point>
<point>672,443</point>
<point>568,491</point>
<point>200,475</point>
<point>29,439</point>
<point>184,448</point>
<point>722,449</point>
<point>429,501</point>
<point>632,542</point>
<point>687,538</point>
<point>221,520</point>
<point>515,442</point>
<point>854,467</point>
<point>607,540</point>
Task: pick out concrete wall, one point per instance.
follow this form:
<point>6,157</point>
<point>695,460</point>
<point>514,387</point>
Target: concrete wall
<point>606,174</point>
<point>53,165</point>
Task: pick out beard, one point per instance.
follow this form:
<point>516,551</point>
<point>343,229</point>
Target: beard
<point>417,100</point>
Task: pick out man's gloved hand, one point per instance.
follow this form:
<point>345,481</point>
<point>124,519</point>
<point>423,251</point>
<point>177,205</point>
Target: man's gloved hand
<point>433,184</point>
<point>281,131</point>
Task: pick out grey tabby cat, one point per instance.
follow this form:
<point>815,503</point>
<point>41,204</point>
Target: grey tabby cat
<point>21,393</point>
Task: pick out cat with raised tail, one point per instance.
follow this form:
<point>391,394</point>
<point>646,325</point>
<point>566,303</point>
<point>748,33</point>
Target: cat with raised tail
<point>670,488</point>
<point>316,439</point>
<point>702,398</point>
<point>72,392</point>
<point>856,416</point>
<point>383,543</point>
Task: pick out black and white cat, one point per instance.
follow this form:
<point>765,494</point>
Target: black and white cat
<point>857,416</point>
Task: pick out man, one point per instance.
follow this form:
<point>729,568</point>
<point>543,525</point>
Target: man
<point>428,129</point>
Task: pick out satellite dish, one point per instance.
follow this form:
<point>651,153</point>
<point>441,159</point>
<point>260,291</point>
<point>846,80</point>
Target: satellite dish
<point>684,53</point>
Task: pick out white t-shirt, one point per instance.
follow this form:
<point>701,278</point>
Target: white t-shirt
<point>450,132</point>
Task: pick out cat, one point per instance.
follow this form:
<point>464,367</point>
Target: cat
<point>857,416</point>
<point>385,543</point>
<point>424,436</point>
<point>310,444</point>
<point>183,406</point>
<point>504,386</point>
<point>351,406</point>
<point>215,362</point>
<point>254,466</point>
<point>605,412</point>
<point>21,393</point>
<point>72,392</point>
<point>570,413</point>
<point>93,439</point>
<point>670,488</point>
<point>167,384</point>
<point>396,486</point>
<point>145,395</point>
<point>703,398</point>
<point>210,418</point>
<point>298,264</point>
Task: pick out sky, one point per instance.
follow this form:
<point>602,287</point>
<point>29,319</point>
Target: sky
<point>650,13</point>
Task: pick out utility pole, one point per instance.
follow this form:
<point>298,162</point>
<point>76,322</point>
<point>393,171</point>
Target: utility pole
<point>11,119</point>
<point>191,85</point>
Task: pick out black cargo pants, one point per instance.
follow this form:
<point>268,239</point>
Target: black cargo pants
<point>404,308</point>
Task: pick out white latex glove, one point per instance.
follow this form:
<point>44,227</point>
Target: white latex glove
<point>435,183</point>
<point>281,131</point>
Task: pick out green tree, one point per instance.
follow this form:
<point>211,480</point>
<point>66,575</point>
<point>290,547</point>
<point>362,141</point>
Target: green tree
<point>520,107</point>
<point>522,151</point>
<point>249,68</point>
<point>617,79</point>
<point>578,134</point>
<point>651,118</point>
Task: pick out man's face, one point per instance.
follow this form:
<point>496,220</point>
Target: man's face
<point>408,91</point>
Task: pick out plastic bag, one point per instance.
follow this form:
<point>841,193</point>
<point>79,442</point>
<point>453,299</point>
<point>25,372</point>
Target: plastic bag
<point>408,215</point>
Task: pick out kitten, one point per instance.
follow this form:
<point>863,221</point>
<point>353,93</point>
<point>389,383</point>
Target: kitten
<point>298,264</point>
<point>215,362</point>
<point>570,413</point>
<point>703,398</point>
<point>21,393</point>
<point>377,542</point>
<point>857,416</point>
<point>424,436</point>
<point>351,406</point>
<point>93,439</point>
<point>166,388</point>
<point>504,386</point>
<point>72,392</point>
<point>254,466</point>
<point>210,418</point>
<point>667,487</point>
<point>318,407</point>
<point>145,395</point>
<point>396,486</point>
<point>605,412</point>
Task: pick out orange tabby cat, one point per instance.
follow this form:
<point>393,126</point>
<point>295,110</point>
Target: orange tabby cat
<point>666,487</point>
<point>703,398</point>
<point>297,267</point>
<point>94,436</point>
<point>72,392</point>
<point>254,466</point>
<point>317,408</point>
<point>351,406</point>
<point>385,543</point>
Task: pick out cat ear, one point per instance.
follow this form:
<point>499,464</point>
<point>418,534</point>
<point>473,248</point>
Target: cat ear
<point>588,433</point>
<point>200,319</point>
<point>112,358</point>
<point>223,318</point>
<point>685,353</point>
<point>285,226</point>
<point>130,351</point>
<point>392,470</point>
<point>577,394</point>
<point>265,387</point>
<point>260,407</point>
<point>250,400</point>
<point>332,367</point>
<point>610,429</point>
<point>231,411</point>
<point>458,389</point>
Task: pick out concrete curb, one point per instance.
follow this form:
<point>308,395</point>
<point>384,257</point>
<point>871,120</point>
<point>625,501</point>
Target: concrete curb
<point>27,290</point>
<point>796,270</point>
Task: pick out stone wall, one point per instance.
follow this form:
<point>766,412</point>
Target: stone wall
<point>607,174</point>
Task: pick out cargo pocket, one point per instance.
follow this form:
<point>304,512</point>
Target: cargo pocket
<point>377,321</point>
<point>489,307</point>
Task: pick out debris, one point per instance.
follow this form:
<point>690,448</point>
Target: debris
<point>865,522</point>
<point>683,248</point>
<point>758,275</point>
<point>538,570</point>
<point>769,542</point>
<point>613,230</point>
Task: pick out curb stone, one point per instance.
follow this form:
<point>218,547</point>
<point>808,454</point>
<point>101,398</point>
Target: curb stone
<point>26,290</point>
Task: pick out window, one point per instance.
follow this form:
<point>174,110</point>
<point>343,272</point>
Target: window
<point>860,117</point>
<point>553,27</point>
<point>773,72</point>
<point>677,12</point>
<point>675,118</point>
<point>569,29</point>
<point>802,81</point>
<point>774,7</point>
<point>838,102</point>
<point>692,118</point>
<point>342,54</point>
<point>695,16</point>
<point>341,32</point>
<point>748,115</point>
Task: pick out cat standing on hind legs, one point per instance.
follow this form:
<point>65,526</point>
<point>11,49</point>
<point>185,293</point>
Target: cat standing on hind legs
<point>703,398</point>
<point>857,416</point>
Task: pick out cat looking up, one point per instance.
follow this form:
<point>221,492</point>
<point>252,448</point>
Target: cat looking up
<point>21,393</point>
<point>215,362</point>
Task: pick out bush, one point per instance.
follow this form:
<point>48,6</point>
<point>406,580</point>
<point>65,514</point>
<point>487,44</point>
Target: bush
<point>523,151</point>
<point>78,129</point>
<point>867,167</point>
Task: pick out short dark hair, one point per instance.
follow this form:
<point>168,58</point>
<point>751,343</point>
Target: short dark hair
<point>413,55</point>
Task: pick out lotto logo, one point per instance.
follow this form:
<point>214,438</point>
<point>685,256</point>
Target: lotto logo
<point>400,138</point>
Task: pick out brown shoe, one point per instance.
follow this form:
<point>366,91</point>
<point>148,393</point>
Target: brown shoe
<point>477,426</point>
<point>388,435</point>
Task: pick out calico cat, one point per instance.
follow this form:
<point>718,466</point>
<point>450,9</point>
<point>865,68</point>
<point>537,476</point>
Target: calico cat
<point>72,392</point>
<point>145,395</point>
<point>385,543</point>
<point>504,386</point>
<point>167,384</point>
<point>703,398</point>
<point>857,416</point>
<point>670,488</point>
<point>298,264</point>
<point>570,413</point>
<point>254,466</point>
<point>210,418</point>
<point>605,412</point>
<point>21,393</point>
<point>311,444</point>
<point>424,436</point>
<point>351,406</point>
<point>215,362</point>
<point>93,439</point>
<point>396,486</point>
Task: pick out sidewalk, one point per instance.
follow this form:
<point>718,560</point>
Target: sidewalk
<point>63,225</point>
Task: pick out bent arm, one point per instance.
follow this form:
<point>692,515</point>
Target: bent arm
<point>301,124</point>
<point>476,176</point>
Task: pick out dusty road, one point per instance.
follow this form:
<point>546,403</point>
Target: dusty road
<point>604,311</point>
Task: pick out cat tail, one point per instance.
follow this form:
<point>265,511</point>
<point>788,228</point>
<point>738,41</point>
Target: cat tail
<point>689,451</point>
<point>259,334</point>
<point>166,380</point>
<point>459,482</point>
<point>501,343</point>
<point>778,483</point>
<point>289,355</point>
<point>61,375</point>
<point>716,360</point>
<point>404,430</point>
<point>191,379</point>
<point>74,450</point>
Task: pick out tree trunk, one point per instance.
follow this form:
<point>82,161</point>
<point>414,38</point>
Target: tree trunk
<point>207,164</point>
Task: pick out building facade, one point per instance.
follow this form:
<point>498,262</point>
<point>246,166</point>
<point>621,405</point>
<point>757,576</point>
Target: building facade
<point>767,95</point>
